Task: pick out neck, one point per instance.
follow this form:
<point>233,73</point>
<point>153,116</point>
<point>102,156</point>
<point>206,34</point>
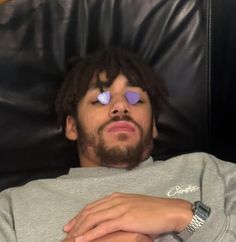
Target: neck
<point>88,159</point>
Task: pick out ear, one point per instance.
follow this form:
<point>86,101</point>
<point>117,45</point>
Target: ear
<point>71,130</point>
<point>154,129</point>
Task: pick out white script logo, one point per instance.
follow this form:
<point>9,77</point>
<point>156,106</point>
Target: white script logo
<point>176,190</point>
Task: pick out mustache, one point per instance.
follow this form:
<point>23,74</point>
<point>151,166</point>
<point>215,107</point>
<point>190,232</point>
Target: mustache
<point>120,118</point>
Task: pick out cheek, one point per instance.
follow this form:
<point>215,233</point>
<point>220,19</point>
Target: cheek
<point>91,121</point>
<point>143,117</point>
<point>87,122</point>
<point>146,125</point>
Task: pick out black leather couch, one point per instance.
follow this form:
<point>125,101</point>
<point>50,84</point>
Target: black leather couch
<point>191,43</point>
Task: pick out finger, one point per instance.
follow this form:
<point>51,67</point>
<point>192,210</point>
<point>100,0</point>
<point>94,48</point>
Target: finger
<point>93,220</point>
<point>84,212</point>
<point>69,226</point>
<point>82,216</point>
<point>99,231</point>
<point>100,205</point>
<point>77,220</point>
<point>104,200</point>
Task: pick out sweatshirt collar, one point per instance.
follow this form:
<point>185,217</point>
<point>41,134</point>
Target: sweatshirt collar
<point>101,170</point>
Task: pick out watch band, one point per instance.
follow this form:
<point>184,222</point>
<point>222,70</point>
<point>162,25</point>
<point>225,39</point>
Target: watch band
<point>200,214</point>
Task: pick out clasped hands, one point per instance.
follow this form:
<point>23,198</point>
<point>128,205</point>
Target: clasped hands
<point>128,217</point>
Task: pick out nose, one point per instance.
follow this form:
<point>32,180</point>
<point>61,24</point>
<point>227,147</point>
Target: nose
<point>119,107</point>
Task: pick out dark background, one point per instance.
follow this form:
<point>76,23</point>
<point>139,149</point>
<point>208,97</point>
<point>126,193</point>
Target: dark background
<point>190,43</point>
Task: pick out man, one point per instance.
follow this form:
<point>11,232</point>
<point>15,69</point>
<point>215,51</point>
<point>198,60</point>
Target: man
<point>109,105</point>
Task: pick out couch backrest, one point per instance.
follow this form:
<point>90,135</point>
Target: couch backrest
<point>189,42</point>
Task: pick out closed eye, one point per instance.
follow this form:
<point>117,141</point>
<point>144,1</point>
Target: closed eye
<point>95,102</point>
<point>140,101</point>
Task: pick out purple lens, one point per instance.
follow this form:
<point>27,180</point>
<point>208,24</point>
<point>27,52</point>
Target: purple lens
<point>104,97</point>
<point>132,97</point>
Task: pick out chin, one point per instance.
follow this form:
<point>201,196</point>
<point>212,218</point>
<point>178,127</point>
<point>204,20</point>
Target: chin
<point>121,145</point>
<point>122,139</point>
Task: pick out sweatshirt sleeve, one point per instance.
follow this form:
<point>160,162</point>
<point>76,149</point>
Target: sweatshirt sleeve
<point>7,231</point>
<point>229,233</point>
<point>218,192</point>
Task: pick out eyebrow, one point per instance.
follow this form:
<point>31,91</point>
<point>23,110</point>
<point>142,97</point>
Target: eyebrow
<point>102,84</point>
<point>98,84</point>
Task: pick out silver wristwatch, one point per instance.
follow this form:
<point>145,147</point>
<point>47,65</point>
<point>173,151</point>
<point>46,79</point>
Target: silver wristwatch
<point>200,214</point>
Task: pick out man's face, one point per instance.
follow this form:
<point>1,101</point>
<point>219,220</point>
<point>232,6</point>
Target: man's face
<point>117,134</point>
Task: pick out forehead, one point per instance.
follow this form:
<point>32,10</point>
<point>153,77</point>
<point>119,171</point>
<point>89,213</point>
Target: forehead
<point>98,77</point>
<point>100,81</point>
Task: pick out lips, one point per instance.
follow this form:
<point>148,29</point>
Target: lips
<point>121,126</point>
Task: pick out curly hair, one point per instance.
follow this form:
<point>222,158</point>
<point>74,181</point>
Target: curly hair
<point>112,61</point>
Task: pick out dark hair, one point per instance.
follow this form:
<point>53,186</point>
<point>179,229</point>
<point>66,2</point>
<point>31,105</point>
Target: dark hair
<point>112,61</point>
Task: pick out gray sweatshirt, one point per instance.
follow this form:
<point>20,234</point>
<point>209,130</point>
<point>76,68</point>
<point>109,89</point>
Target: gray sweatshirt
<point>37,211</point>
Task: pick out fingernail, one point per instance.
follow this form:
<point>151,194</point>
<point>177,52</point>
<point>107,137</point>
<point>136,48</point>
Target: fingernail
<point>66,228</point>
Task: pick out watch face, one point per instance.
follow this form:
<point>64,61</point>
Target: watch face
<point>205,209</point>
<point>201,210</point>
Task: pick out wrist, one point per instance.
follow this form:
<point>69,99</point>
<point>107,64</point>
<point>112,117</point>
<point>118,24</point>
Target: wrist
<point>201,212</point>
<point>185,215</point>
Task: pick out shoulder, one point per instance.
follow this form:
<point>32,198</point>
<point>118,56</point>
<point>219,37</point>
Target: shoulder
<point>201,157</point>
<point>201,160</point>
<point>32,187</point>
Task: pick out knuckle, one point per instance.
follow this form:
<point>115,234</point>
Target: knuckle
<point>87,207</point>
<point>86,211</point>
<point>90,218</point>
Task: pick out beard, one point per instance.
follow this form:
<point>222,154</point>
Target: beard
<point>124,156</point>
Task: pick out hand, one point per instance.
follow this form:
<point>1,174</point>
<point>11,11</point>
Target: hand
<point>119,237</point>
<point>132,213</point>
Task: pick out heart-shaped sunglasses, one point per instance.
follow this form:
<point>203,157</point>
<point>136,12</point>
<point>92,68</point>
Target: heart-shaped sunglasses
<point>105,97</point>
